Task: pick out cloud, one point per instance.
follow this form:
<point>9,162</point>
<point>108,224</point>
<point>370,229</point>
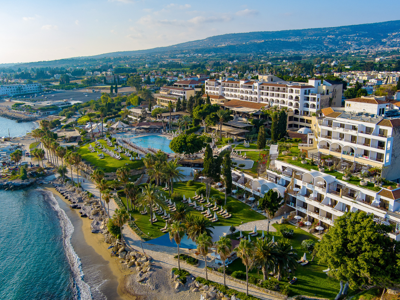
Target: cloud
<point>184,6</point>
<point>202,20</point>
<point>26,19</point>
<point>49,27</point>
<point>247,12</point>
<point>77,22</point>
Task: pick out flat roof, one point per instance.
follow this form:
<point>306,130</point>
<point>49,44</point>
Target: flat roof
<point>230,130</point>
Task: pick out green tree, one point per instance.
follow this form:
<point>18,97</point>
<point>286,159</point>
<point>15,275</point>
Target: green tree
<point>245,251</point>
<point>172,173</point>
<point>178,104</point>
<point>227,173</point>
<point>398,85</point>
<point>208,101</point>
<point>116,89</point>
<point>282,124</point>
<point>265,255</point>
<point>23,174</point>
<point>224,249</point>
<point>261,140</point>
<point>204,243</point>
<point>111,89</point>
<point>62,170</point>
<point>190,105</point>
<point>176,233</point>
<point>120,218</point>
<point>114,229</point>
<point>358,250</point>
<point>123,175</point>
<point>135,82</point>
<point>274,127</point>
<point>16,156</point>
<point>270,203</point>
<point>150,196</point>
<point>196,225</point>
<point>208,162</point>
<point>170,109</point>
<point>285,258</point>
<point>107,198</point>
<point>187,144</point>
<point>223,116</point>
<point>184,104</point>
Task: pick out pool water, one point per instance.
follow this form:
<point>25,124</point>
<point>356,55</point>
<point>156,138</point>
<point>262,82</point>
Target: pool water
<point>153,141</point>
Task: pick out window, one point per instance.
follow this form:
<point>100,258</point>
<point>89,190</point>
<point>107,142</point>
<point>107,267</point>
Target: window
<point>387,158</point>
<point>388,145</point>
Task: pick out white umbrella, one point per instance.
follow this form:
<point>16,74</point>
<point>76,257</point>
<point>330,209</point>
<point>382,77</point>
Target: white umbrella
<point>255,229</point>
<point>221,208</point>
<point>165,213</point>
<point>273,239</point>
<point>194,204</point>
<point>184,197</point>
<point>215,216</point>
<point>208,212</point>
<point>174,204</point>
<point>234,191</point>
<point>308,223</point>
<point>249,238</point>
<point>298,217</point>
<point>202,208</point>
<point>190,201</point>
<point>319,228</point>
<point>304,257</point>
<point>263,234</point>
<point>252,198</point>
<point>154,216</point>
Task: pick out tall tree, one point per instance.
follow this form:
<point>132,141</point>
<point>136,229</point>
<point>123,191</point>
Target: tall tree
<point>274,127</point>
<point>176,233</point>
<point>224,249</point>
<point>111,89</point>
<point>150,196</point>
<point>172,173</point>
<point>270,203</point>
<point>196,225</point>
<point>286,258</point>
<point>120,218</point>
<point>61,152</point>
<point>227,173</point>
<point>208,101</point>
<point>265,255</point>
<point>208,161</point>
<point>130,191</point>
<point>178,104</point>
<point>190,105</point>
<point>223,116</point>
<point>245,251</point>
<point>170,109</point>
<point>282,124</point>
<point>262,139</point>
<point>204,243</point>
<point>358,250</point>
<point>123,175</point>
<point>116,88</point>
<point>107,198</point>
<point>184,104</point>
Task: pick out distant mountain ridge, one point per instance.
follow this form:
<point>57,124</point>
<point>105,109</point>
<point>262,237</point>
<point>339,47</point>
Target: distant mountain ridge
<point>329,39</point>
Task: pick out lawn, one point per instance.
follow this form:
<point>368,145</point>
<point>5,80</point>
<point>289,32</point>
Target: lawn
<point>241,213</point>
<point>253,155</point>
<point>33,145</point>
<point>311,280</point>
<point>107,164</point>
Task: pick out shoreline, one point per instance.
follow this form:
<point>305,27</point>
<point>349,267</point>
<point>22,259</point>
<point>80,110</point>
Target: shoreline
<point>96,241</point>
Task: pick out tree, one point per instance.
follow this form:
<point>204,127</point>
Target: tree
<point>69,159</point>
<point>196,225</point>
<point>107,198</point>
<point>187,144</point>
<point>274,127</point>
<point>261,139</point>
<point>135,82</point>
<point>123,175</point>
<point>208,101</point>
<point>90,116</point>
<point>120,218</point>
<point>190,105</point>
<point>282,124</point>
<point>208,161</point>
<point>178,104</point>
<point>358,250</point>
<point>61,152</point>
<point>223,116</point>
<point>224,249</point>
<point>97,176</point>
<point>77,158</point>
<point>265,255</point>
<point>103,113</point>
<point>170,109</point>
<point>16,156</point>
<point>62,171</point>
<point>227,173</point>
<point>172,173</point>
<point>398,85</point>
<point>271,202</point>
<point>176,233</point>
<point>23,174</point>
<point>204,242</point>
<point>184,104</point>
<point>116,88</point>
<point>130,192</point>
<point>111,89</point>
<point>285,258</point>
<point>245,250</point>
<point>180,213</point>
<point>150,195</point>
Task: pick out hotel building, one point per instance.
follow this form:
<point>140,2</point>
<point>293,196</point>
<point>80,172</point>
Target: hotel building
<point>11,90</point>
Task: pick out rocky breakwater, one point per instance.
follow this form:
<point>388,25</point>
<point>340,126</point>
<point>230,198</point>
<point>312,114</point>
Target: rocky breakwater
<point>16,184</point>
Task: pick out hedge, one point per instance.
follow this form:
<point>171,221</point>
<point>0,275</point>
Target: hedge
<point>192,130</point>
<point>188,259</point>
<point>225,290</point>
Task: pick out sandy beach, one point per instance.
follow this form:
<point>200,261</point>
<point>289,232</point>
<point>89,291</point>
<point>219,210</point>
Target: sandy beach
<point>96,241</point>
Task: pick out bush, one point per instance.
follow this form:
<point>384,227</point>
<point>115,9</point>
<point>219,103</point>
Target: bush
<point>201,190</point>
<point>225,290</point>
<point>287,233</point>
<point>239,275</point>
<point>176,196</point>
<point>241,165</point>
<point>218,199</point>
<point>113,229</point>
<point>227,140</point>
<point>308,245</point>
<point>182,274</point>
<point>192,130</point>
<point>207,139</point>
<point>234,163</point>
<point>189,183</point>
<point>190,260</point>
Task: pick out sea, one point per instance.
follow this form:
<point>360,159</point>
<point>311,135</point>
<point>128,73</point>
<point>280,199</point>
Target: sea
<point>43,253</point>
<point>14,129</point>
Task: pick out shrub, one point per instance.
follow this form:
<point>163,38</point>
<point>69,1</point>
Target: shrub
<point>227,140</point>
<point>308,245</point>
<point>287,233</point>
<point>218,199</point>
<point>201,190</point>
<point>176,196</point>
<point>190,260</point>
<point>113,229</point>
<point>234,163</point>
<point>241,165</point>
<point>189,183</point>
<point>192,130</point>
<point>239,275</point>
<point>207,139</point>
<point>182,274</point>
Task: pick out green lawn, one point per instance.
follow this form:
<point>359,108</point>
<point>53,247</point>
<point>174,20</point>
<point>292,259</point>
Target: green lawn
<point>241,213</point>
<point>33,145</point>
<point>311,280</point>
<point>253,155</point>
<point>108,163</point>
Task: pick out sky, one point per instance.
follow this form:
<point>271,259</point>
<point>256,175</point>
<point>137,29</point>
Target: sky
<point>36,30</point>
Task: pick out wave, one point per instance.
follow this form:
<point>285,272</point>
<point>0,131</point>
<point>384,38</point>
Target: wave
<point>81,288</point>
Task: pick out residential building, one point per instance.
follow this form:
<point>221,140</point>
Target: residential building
<point>19,89</point>
<point>172,93</point>
<point>366,140</point>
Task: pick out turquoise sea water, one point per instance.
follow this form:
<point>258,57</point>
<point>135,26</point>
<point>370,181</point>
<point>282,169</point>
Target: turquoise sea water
<point>153,141</point>
<point>16,129</point>
<point>37,260</point>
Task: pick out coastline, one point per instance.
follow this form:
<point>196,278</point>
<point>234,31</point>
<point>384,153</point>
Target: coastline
<point>96,242</point>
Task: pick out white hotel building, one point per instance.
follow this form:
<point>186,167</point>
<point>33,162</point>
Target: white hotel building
<point>301,99</point>
<point>319,197</point>
<point>19,89</point>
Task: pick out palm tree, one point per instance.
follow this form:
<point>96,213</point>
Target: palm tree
<point>186,120</point>
<point>176,233</point>
<point>204,242</point>
<point>53,147</point>
<point>286,257</point>
<point>123,175</point>
<point>69,159</point>
<point>16,156</point>
<point>180,212</point>
<point>62,171</point>
<point>156,172</point>
<point>60,152</point>
<point>102,186</point>
<point>245,251</point>
<point>150,195</point>
<point>130,192</point>
<point>37,134</point>
<point>197,225</point>
<point>149,160</point>
<point>98,176</point>
<point>265,255</point>
<point>172,173</point>
<point>120,218</point>
<point>170,109</point>
<point>222,116</point>
<point>39,154</point>
<point>224,249</point>
<point>107,198</point>
<point>77,158</point>
<point>103,113</point>
<point>90,116</point>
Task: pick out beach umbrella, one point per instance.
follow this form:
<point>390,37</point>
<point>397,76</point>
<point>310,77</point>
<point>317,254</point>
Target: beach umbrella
<point>184,197</point>
<point>249,238</point>
<point>308,223</point>
<point>169,216</point>
<point>291,247</point>
<point>346,210</point>
<point>202,208</point>
<point>215,216</point>
<point>208,201</point>
<point>166,185</point>
<point>263,234</point>
<point>304,257</point>
<point>240,235</point>
<point>189,201</point>
<point>165,213</point>
<point>255,229</point>
<point>174,204</point>
<point>208,212</point>
<point>194,204</point>
<point>154,216</point>
<point>222,208</point>
<point>201,196</point>
<point>273,239</point>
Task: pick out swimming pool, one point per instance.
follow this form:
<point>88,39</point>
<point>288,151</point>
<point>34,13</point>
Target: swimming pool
<point>153,141</point>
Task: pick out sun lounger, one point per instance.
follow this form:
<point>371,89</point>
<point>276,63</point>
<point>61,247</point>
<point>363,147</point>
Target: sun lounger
<point>253,233</point>
<point>154,220</point>
<point>204,212</point>
<point>304,263</point>
<point>196,197</point>
<point>214,220</point>
<point>227,216</point>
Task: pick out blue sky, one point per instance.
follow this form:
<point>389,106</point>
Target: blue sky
<point>46,30</point>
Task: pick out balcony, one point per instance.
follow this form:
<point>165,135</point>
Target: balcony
<point>326,136</point>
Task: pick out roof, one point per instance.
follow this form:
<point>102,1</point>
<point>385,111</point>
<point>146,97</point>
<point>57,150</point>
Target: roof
<point>396,103</point>
<point>213,96</point>
<point>390,122</point>
<point>176,88</point>
<point>273,84</point>
<point>231,81</point>
<point>297,135</point>
<point>391,194</point>
<point>245,104</point>
<point>195,82</point>
<point>327,111</point>
<point>230,130</point>
<point>367,100</point>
